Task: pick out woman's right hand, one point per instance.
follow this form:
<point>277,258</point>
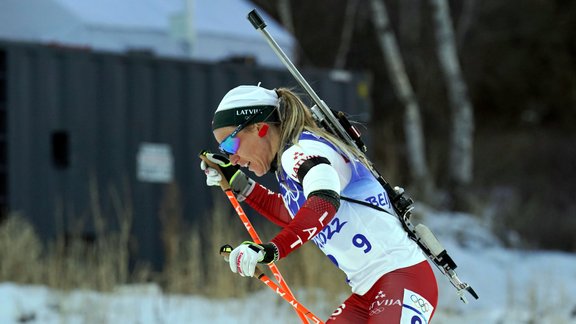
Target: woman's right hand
<point>234,178</point>
<point>213,175</point>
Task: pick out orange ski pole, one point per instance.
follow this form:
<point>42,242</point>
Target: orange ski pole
<point>255,237</point>
<point>258,273</point>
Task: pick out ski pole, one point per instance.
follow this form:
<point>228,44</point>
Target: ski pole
<point>258,273</point>
<point>286,292</point>
<point>248,225</point>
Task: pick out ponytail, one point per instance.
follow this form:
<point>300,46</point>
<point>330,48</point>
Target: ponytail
<point>296,117</point>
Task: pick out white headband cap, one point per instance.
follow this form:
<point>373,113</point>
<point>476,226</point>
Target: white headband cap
<point>248,96</point>
<point>242,103</point>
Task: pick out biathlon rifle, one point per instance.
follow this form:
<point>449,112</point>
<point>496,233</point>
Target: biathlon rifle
<point>336,123</point>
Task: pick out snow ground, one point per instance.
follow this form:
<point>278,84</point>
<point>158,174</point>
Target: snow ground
<point>514,287</point>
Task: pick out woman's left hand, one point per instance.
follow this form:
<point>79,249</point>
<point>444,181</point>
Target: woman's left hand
<point>244,258</point>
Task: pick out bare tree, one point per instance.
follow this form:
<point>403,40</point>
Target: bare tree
<point>347,31</point>
<point>466,20</point>
<point>285,13</point>
<point>409,24</point>
<point>284,9</point>
<point>461,139</point>
<point>403,89</point>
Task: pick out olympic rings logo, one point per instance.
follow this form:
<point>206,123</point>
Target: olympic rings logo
<point>420,302</point>
<point>376,311</point>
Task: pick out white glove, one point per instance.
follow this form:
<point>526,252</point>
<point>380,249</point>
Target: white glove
<point>213,177</point>
<point>240,183</point>
<point>245,257</point>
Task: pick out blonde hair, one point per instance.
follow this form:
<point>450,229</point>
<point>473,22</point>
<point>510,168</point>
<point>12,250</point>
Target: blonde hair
<point>296,117</point>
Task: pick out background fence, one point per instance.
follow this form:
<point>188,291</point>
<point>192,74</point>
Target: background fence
<point>87,135</point>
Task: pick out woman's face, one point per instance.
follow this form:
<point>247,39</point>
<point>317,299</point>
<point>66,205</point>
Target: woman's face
<point>254,152</point>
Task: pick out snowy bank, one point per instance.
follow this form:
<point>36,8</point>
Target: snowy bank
<point>514,287</point>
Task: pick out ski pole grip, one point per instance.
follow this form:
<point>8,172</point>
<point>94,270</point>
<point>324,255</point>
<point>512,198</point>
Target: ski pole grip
<point>225,251</point>
<point>256,20</point>
<point>223,183</point>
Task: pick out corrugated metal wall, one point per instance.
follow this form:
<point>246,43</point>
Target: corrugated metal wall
<point>78,122</point>
<point>3,134</point>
